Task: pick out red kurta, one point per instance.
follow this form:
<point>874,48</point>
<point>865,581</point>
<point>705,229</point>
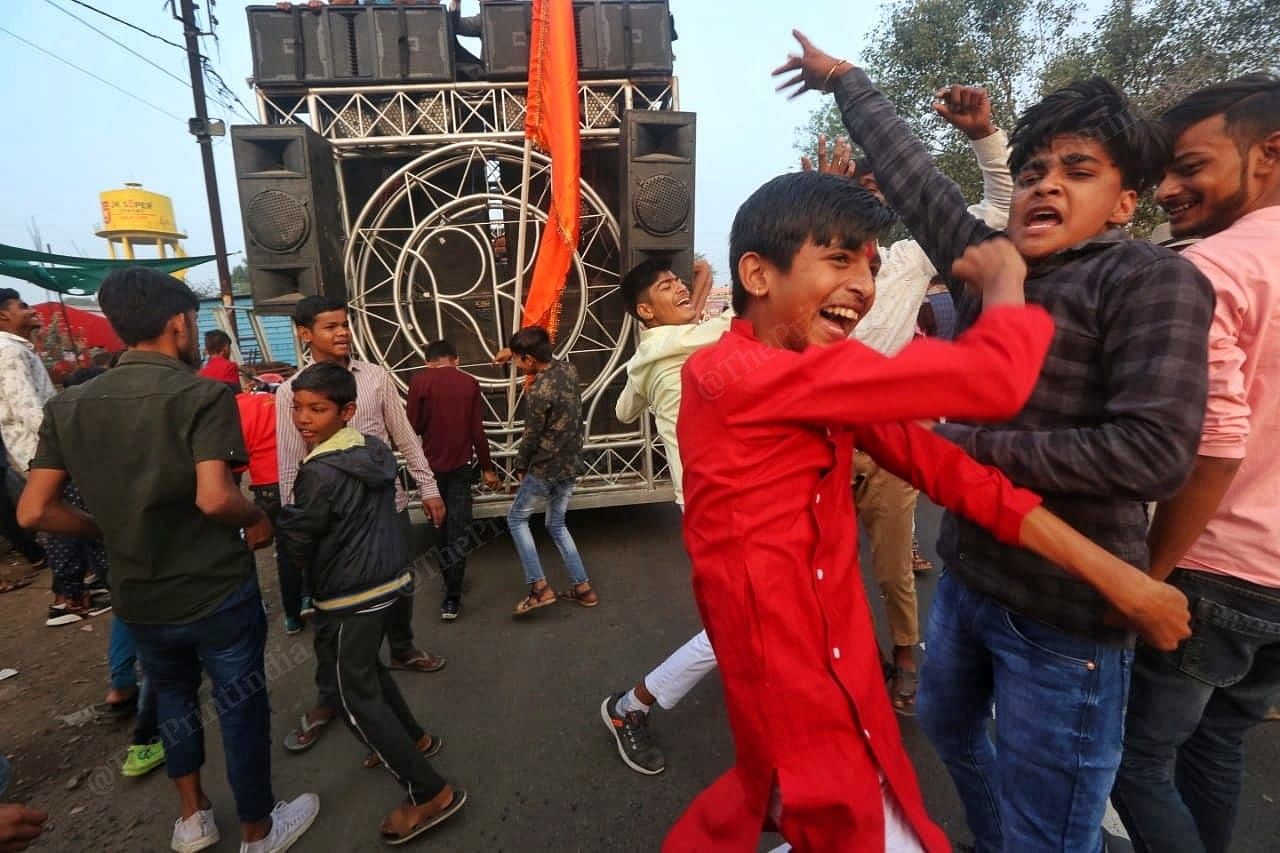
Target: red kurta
<point>767,438</point>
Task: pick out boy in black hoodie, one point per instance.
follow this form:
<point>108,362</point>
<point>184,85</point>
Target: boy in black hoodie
<point>343,532</point>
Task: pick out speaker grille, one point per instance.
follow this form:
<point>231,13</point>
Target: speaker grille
<point>662,204</point>
<point>277,221</point>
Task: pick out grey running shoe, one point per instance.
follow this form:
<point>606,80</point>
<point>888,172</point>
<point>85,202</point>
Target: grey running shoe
<point>635,743</point>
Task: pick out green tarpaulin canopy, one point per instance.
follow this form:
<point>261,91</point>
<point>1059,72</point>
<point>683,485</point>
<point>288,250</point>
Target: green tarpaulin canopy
<point>77,276</point>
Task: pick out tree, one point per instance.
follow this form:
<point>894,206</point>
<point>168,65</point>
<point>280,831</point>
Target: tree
<point>1156,51</point>
<point>240,279</point>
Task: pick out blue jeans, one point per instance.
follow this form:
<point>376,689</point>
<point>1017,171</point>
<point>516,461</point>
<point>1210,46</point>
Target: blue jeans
<point>228,644</point>
<point>1059,702</point>
<point>1179,783</point>
<point>556,493</point>
<point>122,658</point>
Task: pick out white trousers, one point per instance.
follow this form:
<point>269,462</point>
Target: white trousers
<point>899,837</point>
<point>677,675</point>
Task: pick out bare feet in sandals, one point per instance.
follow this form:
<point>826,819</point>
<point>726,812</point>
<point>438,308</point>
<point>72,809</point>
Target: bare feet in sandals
<point>581,593</point>
<point>310,727</point>
<point>408,821</point>
<point>428,745</point>
<point>540,595</point>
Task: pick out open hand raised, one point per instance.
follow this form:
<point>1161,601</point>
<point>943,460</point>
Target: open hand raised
<point>815,70</point>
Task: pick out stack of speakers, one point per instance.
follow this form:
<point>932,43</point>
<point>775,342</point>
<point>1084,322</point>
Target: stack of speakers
<point>616,38</point>
<point>337,45</point>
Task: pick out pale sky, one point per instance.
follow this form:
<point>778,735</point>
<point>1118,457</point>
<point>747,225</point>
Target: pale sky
<point>66,136</point>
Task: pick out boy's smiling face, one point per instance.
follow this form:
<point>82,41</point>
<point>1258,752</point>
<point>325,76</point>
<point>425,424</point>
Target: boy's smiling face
<point>1065,194</point>
<point>317,418</point>
<point>818,301</point>
<point>666,303</point>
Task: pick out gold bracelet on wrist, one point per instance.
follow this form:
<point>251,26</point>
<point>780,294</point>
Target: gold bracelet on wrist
<point>826,81</point>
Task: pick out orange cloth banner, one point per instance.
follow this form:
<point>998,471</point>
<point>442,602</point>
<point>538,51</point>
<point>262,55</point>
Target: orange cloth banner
<point>551,122</point>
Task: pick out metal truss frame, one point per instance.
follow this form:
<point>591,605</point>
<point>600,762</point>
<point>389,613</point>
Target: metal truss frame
<point>357,117</point>
<point>398,306</point>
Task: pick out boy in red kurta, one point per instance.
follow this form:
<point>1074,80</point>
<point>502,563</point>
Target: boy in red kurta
<point>767,427</point>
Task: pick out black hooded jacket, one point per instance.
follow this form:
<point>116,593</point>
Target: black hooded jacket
<point>342,528</point>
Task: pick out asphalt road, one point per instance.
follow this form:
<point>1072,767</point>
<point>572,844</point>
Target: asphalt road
<point>518,705</point>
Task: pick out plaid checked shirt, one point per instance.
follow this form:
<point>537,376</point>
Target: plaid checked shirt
<point>1115,418</point>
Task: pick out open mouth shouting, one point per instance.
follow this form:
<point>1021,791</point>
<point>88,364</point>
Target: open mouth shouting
<point>1041,219</point>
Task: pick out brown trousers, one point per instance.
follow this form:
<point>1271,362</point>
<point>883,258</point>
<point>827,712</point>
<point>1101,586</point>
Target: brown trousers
<point>887,508</point>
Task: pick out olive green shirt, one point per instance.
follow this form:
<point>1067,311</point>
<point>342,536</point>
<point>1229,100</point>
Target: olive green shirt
<point>130,439</point>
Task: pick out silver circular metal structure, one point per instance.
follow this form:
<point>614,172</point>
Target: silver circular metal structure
<point>433,255</point>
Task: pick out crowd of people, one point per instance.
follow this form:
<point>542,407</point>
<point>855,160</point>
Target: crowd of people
<point>1095,431</point>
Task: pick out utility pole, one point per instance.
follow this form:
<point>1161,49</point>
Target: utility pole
<point>200,129</point>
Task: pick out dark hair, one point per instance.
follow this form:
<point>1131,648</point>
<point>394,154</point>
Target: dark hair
<point>1250,105</point>
<point>636,283</point>
<point>140,301</point>
<point>306,311</point>
<point>328,379</point>
<point>7,295</point>
<point>441,349</point>
<point>216,340</point>
<point>1095,109</point>
<point>532,341</point>
<point>81,375</point>
<point>790,209</point>
<point>103,359</point>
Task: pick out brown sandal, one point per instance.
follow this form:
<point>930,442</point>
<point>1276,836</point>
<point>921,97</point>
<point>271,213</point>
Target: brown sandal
<point>428,745</point>
<point>903,684</point>
<point>397,829</point>
<point>585,597</point>
<point>537,597</point>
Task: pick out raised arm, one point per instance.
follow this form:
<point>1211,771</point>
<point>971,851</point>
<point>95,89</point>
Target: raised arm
<point>985,496</point>
<point>929,203</point>
<point>968,109</point>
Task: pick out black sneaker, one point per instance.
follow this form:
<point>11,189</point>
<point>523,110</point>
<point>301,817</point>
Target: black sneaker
<point>635,743</point>
<point>449,609</point>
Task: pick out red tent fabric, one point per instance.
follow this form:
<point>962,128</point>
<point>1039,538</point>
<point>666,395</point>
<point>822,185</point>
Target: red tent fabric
<point>94,330</point>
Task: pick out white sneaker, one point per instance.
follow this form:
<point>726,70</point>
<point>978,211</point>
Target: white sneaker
<point>197,832</point>
<point>288,822</point>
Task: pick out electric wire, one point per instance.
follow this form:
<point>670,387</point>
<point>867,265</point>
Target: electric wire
<point>111,38</point>
<point>103,80</point>
<point>131,26</point>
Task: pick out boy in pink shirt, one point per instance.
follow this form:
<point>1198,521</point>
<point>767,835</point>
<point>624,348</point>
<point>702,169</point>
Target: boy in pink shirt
<point>1218,539</point>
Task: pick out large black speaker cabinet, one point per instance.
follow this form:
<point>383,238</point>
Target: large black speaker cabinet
<point>351,44</point>
<point>616,38</point>
<point>504,38</point>
<point>291,210</point>
<point>658,151</point>
<point>622,39</point>
<point>420,48</point>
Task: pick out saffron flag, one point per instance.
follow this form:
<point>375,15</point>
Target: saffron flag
<point>551,123</point>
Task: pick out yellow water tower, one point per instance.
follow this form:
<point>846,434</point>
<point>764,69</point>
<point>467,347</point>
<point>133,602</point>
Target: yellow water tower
<point>136,217</point>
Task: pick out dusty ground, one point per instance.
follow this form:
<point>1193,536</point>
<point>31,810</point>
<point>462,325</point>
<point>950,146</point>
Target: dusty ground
<point>517,705</point>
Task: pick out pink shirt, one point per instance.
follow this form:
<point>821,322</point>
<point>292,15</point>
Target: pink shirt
<point>1243,417</point>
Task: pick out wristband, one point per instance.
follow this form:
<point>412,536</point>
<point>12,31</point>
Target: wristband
<point>826,81</point>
